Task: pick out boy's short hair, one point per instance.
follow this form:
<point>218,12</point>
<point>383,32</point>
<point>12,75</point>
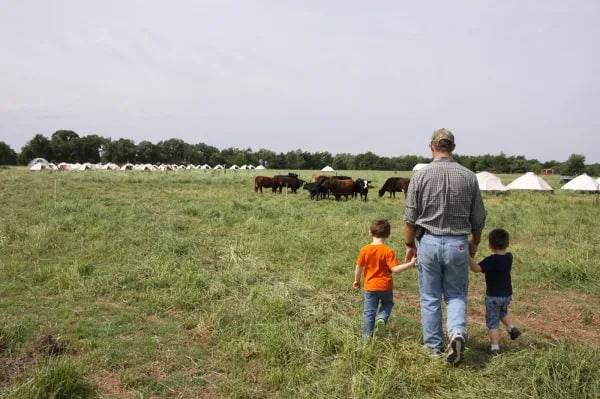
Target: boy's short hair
<point>380,228</point>
<point>499,238</point>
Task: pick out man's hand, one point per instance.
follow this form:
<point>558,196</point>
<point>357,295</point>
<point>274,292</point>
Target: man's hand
<point>472,249</point>
<point>411,252</point>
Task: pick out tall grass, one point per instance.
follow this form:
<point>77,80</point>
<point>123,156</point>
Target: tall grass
<point>191,285</point>
<point>55,379</point>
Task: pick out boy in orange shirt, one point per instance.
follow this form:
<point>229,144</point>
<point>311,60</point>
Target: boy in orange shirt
<point>376,262</point>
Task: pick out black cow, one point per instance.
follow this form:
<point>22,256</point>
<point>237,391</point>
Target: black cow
<point>316,190</point>
<point>290,180</point>
<point>322,189</point>
<point>393,185</point>
<point>361,187</point>
<point>312,189</point>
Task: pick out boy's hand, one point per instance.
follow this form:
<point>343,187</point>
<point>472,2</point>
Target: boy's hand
<point>356,284</point>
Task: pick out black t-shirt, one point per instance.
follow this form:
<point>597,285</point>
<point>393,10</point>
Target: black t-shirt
<point>497,274</point>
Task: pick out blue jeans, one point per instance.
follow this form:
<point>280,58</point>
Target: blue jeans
<point>443,264</point>
<point>374,300</point>
<point>496,308</point>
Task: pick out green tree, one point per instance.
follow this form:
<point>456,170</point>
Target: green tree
<point>500,163</point>
<point>367,161</point>
<point>120,151</point>
<point>8,156</point>
<point>279,162</point>
<point>534,166</point>
<point>593,169</point>
<point>146,152</point>
<point>244,157</point>
<point>65,146</point>
<point>205,152</point>
<point>308,160</point>
<point>518,164</point>
<point>191,155</point>
<point>37,147</point>
<point>408,162</point>
<point>266,158</point>
<point>89,148</point>
<point>294,160</point>
<point>321,159</point>
<point>235,156</point>
<point>250,157</point>
<point>217,158</point>
<point>472,163</point>
<point>574,166</point>
<point>171,151</point>
<point>483,163</point>
<point>554,165</point>
<point>342,161</point>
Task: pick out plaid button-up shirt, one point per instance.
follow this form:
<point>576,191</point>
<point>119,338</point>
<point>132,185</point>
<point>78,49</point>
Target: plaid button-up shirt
<point>444,199</point>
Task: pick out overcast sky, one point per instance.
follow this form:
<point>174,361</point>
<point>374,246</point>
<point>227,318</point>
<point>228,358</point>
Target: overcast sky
<point>511,76</point>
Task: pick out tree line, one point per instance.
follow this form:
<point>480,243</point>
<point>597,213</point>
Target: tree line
<point>68,146</point>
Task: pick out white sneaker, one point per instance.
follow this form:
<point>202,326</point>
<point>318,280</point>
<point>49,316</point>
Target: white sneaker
<point>456,349</point>
<point>432,352</point>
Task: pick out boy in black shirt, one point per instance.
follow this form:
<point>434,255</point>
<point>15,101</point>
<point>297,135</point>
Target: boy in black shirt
<point>496,268</point>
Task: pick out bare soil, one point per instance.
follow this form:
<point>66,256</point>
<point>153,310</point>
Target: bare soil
<point>44,345</point>
<point>552,317</point>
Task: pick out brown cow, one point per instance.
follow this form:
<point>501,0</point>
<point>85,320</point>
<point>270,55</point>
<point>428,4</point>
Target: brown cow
<point>262,181</point>
<point>315,178</point>
<point>339,187</point>
<point>393,185</point>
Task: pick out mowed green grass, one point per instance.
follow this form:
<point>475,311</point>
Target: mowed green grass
<point>191,285</point>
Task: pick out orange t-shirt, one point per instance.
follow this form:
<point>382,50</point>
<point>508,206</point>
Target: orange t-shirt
<point>377,261</point>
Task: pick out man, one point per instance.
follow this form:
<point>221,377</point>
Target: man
<point>443,206</point>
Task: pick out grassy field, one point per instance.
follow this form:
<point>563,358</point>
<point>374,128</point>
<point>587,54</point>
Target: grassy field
<point>190,285</point>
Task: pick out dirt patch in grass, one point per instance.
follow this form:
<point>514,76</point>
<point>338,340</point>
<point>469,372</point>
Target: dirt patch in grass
<point>48,345</point>
<point>42,346</point>
<point>13,368</point>
<point>111,386</point>
<point>550,317</point>
<point>560,316</point>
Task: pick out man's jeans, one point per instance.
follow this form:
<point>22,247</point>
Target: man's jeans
<point>443,263</point>
<point>372,301</point>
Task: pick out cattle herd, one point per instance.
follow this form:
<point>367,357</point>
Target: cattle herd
<point>321,186</point>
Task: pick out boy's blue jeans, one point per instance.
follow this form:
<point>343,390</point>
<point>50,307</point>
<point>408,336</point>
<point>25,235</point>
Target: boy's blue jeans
<point>496,308</point>
<point>443,264</point>
<point>374,301</point>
